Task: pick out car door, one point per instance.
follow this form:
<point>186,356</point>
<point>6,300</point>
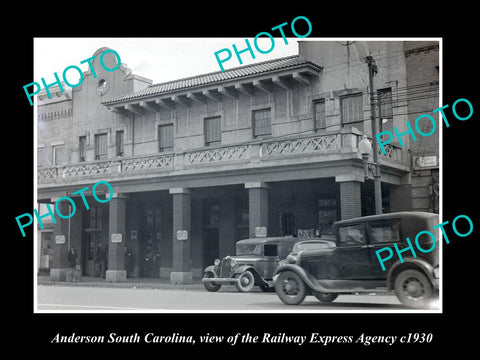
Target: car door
<point>383,233</point>
<point>352,255</point>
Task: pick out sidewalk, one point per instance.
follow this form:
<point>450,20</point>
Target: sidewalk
<point>133,283</point>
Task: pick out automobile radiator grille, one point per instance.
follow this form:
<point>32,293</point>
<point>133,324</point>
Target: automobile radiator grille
<point>225,268</point>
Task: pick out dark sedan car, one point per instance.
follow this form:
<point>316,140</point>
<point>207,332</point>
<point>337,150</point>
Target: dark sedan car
<point>352,266</point>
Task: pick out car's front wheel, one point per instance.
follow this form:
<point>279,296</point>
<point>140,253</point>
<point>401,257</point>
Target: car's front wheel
<point>325,297</point>
<point>246,281</point>
<point>413,289</point>
<point>290,288</point>
<point>211,285</point>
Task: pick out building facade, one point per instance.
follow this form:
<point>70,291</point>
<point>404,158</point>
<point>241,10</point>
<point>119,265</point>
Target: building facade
<point>199,163</point>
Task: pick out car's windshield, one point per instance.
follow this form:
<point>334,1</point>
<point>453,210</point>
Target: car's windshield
<point>310,246</point>
<point>246,249</point>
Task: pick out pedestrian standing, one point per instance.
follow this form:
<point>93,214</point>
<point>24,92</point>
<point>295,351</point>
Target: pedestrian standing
<point>72,257</point>
<point>104,262</point>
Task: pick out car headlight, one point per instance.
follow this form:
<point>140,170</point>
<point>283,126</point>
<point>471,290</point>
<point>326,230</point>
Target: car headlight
<point>216,262</point>
<point>233,264</point>
<point>291,259</point>
<point>436,272</point>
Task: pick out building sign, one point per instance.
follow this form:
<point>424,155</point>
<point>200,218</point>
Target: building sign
<point>306,233</point>
<point>116,238</point>
<point>60,239</point>
<point>260,231</point>
<point>423,162</point>
<point>182,234</point>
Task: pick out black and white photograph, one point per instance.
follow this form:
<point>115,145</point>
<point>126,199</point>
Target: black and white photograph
<point>272,183</point>
<point>258,187</point>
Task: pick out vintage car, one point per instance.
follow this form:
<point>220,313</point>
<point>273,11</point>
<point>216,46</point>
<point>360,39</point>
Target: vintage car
<point>254,264</point>
<point>308,245</point>
<point>352,266</point>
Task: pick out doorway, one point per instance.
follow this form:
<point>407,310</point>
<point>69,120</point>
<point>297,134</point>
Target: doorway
<point>211,249</point>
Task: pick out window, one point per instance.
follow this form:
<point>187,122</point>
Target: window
<point>270,250</point>
<point>262,123</point>
<point>213,132</point>
<point>165,138</point>
<point>319,114</point>
<point>351,235</point>
<point>212,213</point>
<point>58,155</point>
<point>384,231</point>
<point>119,143</point>
<point>95,218</point>
<point>101,152</point>
<point>386,112</point>
<point>352,108</point>
<point>82,143</point>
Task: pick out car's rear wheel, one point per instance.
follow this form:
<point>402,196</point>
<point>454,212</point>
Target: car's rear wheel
<point>211,285</point>
<point>413,289</point>
<point>246,281</point>
<point>325,297</point>
<point>290,288</point>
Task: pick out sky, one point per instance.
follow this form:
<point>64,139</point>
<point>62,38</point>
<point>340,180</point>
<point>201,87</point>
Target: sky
<point>159,59</point>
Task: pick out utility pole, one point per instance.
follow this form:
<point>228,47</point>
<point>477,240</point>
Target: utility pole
<point>377,185</point>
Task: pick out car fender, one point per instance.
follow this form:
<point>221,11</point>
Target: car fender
<point>210,268</point>
<point>410,263</point>
<point>306,277</point>
<point>259,280</point>
<point>242,268</point>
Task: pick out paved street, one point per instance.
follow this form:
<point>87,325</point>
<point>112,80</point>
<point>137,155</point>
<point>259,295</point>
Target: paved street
<point>228,298</point>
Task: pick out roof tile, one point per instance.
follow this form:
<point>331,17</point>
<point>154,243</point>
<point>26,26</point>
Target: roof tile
<point>205,79</point>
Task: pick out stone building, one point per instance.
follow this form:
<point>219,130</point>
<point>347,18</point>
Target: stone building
<point>199,163</point>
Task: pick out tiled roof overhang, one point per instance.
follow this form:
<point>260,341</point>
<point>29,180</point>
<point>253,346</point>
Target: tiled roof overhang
<point>182,91</point>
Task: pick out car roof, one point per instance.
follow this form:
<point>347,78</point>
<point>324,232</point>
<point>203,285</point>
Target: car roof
<point>393,215</point>
<point>264,240</point>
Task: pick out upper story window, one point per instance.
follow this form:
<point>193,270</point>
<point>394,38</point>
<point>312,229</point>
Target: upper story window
<point>319,118</point>
<point>101,152</point>
<point>58,155</point>
<point>352,108</point>
<point>213,132</point>
<point>165,138</point>
<point>262,123</point>
<point>82,144</point>
<point>386,111</point>
<point>119,143</point>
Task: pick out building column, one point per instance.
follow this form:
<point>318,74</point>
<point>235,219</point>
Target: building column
<point>60,264</point>
<point>182,223</point>
<point>116,232</point>
<point>257,206</point>
<point>350,196</point>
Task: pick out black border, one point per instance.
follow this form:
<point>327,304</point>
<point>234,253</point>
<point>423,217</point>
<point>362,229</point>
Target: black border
<point>455,25</point>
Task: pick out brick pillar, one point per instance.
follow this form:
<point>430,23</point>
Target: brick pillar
<point>182,224</point>
<point>116,238</point>
<point>257,206</point>
<point>60,243</point>
<point>350,196</point>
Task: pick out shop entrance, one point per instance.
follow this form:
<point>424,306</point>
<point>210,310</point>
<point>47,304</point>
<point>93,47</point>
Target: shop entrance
<point>210,246</point>
<point>90,244</point>
<point>150,241</point>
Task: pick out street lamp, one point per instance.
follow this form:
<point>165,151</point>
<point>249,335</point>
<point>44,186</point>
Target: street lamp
<point>365,148</point>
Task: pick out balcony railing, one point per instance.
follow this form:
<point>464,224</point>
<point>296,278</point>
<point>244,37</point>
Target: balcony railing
<point>264,150</point>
